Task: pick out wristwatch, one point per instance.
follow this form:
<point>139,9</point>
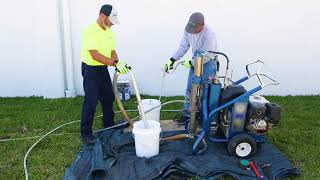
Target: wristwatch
<point>115,63</point>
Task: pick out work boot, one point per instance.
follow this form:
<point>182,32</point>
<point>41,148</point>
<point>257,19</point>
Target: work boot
<point>88,139</point>
<point>184,119</point>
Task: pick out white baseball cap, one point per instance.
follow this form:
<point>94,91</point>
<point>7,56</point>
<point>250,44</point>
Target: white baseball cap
<point>113,17</point>
<point>111,12</point>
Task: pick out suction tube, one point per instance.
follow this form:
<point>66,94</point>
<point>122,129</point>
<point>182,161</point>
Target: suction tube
<point>115,91</point>
<point>136,90</point>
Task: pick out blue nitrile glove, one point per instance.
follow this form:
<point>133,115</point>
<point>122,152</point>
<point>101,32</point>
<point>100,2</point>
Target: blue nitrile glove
<point>169,64</point>
<point>122,67</point>
<point>187,63</point>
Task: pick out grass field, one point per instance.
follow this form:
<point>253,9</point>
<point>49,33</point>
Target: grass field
<point>298,134</point>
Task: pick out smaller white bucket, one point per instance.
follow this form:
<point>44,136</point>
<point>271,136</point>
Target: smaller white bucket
<point>146,139</point>
<point>149,104</point>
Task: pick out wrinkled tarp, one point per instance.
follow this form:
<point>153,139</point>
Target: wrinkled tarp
<point>113,157</point>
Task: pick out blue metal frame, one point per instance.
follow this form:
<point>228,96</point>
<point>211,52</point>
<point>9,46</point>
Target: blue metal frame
<point>241,80</point>
<point>207,116</point>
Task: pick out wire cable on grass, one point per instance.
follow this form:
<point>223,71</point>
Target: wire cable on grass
<point>25,165</point>
<point>60,134</point>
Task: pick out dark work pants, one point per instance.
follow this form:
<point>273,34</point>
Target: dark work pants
<point>97,87</point>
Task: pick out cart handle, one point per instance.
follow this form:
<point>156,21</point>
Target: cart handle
<point>274,82</point>
<point>251,63</point>
<point>258,74</point>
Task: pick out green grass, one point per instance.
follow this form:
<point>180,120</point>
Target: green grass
<point>298,134</point>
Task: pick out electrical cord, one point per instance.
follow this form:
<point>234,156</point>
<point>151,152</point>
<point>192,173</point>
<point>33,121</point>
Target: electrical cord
<point>60,134</point>
<point>130,121</point>
<point>25,165</point>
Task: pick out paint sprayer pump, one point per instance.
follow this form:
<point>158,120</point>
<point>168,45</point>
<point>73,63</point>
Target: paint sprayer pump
<point>229,113</point>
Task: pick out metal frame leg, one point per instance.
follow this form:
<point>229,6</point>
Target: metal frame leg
<point>196,144</point>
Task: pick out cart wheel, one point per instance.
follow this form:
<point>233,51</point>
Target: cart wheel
<point>242,146</point>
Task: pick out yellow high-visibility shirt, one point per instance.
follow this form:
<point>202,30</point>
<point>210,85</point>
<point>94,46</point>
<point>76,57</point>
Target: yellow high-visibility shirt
<point>96,38</point>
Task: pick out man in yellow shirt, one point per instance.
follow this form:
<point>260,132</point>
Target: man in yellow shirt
<point>97,53</point>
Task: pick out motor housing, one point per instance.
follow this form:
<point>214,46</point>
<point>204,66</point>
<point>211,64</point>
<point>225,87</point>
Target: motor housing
<point>262,114</point>
<point>273,113</point>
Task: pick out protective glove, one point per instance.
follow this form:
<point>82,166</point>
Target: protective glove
<point>169,64</point>
<point>122,67</point>
<point>187,63</point>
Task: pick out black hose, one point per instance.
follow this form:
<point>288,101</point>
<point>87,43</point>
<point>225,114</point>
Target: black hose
<point>220,53</point>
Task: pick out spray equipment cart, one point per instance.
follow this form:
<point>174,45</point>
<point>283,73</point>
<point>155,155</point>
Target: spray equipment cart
<point>229,113</point>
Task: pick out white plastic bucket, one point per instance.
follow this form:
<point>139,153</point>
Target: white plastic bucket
<point>124,92</point>
<point>146,140</point>
<point>151,103</point>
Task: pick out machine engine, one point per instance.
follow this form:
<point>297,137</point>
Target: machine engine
<point>261,114</point>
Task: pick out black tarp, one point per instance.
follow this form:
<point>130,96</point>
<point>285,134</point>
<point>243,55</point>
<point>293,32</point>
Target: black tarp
<point>113,157</point>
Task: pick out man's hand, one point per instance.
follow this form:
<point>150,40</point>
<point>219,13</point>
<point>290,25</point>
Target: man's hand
<point>122,67</point>
<point>169,64</point>
<point>187,63</point>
